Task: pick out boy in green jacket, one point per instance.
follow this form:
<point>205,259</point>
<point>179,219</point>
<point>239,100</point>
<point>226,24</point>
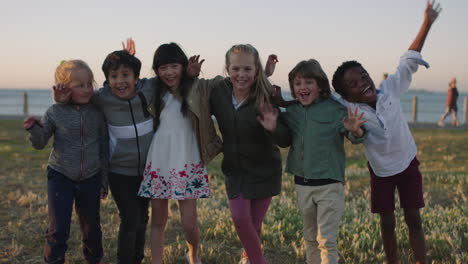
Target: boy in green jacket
<point>316,130</point>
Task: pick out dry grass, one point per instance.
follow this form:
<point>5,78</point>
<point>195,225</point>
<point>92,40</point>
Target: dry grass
<point>443,157</point>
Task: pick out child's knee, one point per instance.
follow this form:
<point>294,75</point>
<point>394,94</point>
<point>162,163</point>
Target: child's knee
<point>413,221</point>
<point>240,220</point>
<point>190,227</point>
<point>387,222</point>
<point>158,221</point>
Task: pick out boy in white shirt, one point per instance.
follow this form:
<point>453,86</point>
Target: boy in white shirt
<point>390,147</point>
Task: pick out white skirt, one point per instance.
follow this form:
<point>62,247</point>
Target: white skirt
<point>174,169</point>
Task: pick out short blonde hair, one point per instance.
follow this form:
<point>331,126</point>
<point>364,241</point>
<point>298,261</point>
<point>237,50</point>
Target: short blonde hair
<point>64,70</point>
<point>262,89</point>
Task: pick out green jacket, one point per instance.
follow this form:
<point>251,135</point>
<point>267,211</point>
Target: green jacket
<point>252,162</point>
<point>315,135</point>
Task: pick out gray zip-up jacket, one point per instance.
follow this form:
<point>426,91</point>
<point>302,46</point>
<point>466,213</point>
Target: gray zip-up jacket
<point>130,127</point>
<point>80,148</point>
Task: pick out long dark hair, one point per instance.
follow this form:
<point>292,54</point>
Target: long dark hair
<point>166,54</point>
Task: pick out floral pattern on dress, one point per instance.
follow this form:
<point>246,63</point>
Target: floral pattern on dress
<point>190,183</point>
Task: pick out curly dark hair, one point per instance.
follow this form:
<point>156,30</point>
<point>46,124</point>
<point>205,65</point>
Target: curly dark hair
<point>337,80</point>
<point>310,69</point>
<point>121,57</point>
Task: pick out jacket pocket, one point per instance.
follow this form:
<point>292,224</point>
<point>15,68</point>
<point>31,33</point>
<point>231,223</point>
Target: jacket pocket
<point>323,127</point>
<point>124,153</point>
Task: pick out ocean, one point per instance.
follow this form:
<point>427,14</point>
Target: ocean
<point>431,105</point>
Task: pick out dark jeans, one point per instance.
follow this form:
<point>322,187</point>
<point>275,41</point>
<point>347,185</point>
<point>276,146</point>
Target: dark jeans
<point>61,192</point>
<point>133,212</point>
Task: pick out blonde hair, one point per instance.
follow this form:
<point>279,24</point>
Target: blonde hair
<point>64,70</point>
<point>262,88</point>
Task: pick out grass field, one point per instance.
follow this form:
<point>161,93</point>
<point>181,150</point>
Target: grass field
<point>443,155</point>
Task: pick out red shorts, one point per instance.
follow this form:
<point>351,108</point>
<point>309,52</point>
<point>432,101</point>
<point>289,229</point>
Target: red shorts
<point>409,184</point>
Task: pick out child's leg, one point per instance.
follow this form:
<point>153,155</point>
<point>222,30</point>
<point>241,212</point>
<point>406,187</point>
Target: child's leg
<point>60,193</point>
<point>387,230</point>
<point>159,213</point>
<point>133,213</point>
<point>383,203</point>
<point>416,234</point>
<point>258,209</point>
<point>87,206</point>
<point>411,199</point>
<point>330,207</point>
<point>188,214</point>
<point>305,201</point>
<point>240,212</point>
<point>142,222</point>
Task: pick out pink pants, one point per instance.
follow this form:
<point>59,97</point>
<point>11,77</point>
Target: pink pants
<point>247,215</point>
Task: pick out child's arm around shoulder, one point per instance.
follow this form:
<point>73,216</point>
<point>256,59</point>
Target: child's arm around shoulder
<point>201,86</point>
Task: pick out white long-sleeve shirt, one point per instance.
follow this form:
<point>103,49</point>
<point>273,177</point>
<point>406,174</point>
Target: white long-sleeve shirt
<point>389,146</point>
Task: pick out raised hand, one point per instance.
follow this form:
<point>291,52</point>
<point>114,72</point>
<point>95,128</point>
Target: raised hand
<point>432,11</point>
<point>354,122</point>
<point>268,117</point>
<point>430,15</point>
<point>62,94</point>
<point>271,64</point>
<point>194,66</point>
<point>130,47</point>
<point>277,96</point>
<point>29,122</point>
<point>278,100</point>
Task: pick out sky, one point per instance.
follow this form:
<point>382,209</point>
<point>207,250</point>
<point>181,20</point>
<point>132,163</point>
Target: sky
<point>37,35</point>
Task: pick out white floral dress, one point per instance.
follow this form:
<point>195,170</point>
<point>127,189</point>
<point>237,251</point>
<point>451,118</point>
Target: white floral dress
<point>174,169</point>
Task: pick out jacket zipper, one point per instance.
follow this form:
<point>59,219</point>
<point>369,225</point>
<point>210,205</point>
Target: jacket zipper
<point>302,138</point>
<point>82,143</point>
<point>237,145</point>
<point>136,136</point>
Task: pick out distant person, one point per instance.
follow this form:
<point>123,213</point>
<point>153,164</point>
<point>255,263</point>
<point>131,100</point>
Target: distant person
<point>390,147</point>
<point>385,76</point>
<point>77,166</point>
<point>451,104</point>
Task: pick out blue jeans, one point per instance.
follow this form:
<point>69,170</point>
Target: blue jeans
<point>62,192</point>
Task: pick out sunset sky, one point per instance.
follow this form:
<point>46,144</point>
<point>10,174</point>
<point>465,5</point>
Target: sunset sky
<point>37,35</point>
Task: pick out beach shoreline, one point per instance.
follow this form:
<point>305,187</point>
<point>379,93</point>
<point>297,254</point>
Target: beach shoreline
<point>418,125</point>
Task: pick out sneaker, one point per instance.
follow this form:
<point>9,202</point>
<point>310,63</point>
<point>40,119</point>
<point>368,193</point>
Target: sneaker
<point>187,257</point>
<point>441,123</point>
<point>244,259</point>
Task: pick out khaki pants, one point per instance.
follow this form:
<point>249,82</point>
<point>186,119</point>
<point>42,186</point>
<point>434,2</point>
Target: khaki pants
<point>322,208</point>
